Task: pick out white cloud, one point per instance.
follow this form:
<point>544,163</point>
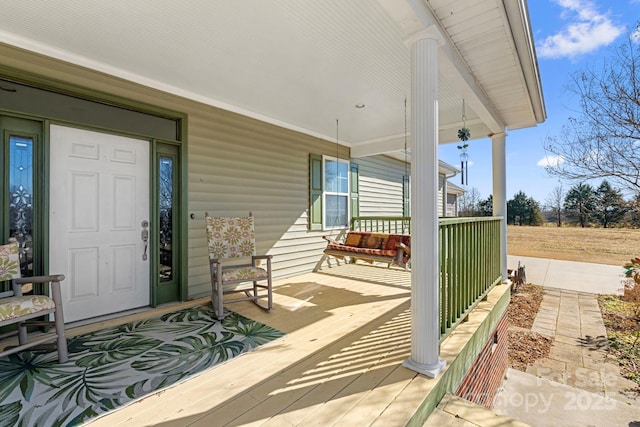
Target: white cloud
<point>587,29</point>
<point>550,161</point>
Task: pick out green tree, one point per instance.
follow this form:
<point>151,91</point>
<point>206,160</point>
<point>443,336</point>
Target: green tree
<point>523,210</point>
<point>634,211</point>
<point>610,207</point>
<point>579,203</point>
<point>485,207</point>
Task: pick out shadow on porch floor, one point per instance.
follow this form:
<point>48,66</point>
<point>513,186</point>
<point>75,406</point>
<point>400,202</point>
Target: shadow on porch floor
<point>348,332</point>
<point>347,335</point>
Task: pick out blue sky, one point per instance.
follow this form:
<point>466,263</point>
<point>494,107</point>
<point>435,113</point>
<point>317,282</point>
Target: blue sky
<point>569,35</point>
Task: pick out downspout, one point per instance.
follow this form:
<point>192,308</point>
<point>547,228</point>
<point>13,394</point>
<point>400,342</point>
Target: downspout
<point>446,193</point>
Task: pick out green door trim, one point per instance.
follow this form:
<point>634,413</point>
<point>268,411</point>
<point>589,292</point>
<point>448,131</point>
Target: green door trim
<point>170,290</point>
<point>31,128</point>
<point>181,162</point>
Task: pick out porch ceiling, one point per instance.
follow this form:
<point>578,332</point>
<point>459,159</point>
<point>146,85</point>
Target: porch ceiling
<point>300,64</point>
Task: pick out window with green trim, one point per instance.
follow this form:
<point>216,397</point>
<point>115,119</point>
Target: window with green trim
<point>333,192</point>
<point>336,193</point>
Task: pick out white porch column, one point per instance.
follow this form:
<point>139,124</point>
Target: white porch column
<point>499,159</point>
<point>425,289</point>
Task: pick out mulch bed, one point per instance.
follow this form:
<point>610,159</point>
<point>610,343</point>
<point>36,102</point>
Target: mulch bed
<point>525,346</point>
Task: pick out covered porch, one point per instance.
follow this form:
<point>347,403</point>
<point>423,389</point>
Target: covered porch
<point>348,333</point>
<point>253,90</point>
<point>348,330</point>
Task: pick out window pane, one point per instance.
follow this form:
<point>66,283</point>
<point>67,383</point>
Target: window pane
<point>21,198</point>
<point>336,211</point>
<point>166,220</point>
<point>336,176</point>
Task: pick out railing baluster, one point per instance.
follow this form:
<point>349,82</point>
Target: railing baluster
<point>469,260</point>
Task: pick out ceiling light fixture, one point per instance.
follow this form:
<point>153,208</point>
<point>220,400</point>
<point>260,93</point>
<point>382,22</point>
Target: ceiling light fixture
<point>360,105</point>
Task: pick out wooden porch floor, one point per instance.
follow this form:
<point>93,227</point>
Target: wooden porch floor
<point>348,332</point>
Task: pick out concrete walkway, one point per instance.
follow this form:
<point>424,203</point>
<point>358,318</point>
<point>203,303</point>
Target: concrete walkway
<point>576,276</point>
<point>455,411</point>
<point>576,385</point>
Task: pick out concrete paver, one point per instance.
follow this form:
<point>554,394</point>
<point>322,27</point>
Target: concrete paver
<point>576,385</point>
<point>542,402</point>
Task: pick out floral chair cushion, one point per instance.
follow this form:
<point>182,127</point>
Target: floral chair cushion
<point>13,307</point>
<point>9,262</point>
<point>230,237</point>
<point>244,273</point>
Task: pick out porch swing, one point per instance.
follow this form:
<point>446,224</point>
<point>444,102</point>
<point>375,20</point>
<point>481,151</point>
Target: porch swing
<point>389,248</point>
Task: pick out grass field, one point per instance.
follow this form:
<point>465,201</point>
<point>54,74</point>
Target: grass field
<point>613,246</point>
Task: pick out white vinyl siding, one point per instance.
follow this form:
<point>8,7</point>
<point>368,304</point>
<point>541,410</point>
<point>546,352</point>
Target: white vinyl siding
<point>442,188</point>
<point>380,186</point>
<point>236,165</point>
<point>239,165</point>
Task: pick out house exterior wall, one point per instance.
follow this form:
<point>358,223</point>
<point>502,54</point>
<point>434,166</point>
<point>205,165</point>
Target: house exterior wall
<point>380,179</point>
<point>442,189</point>
<point>381,187</point>
<point>452,204</point>
<point>235,165</point>
<point>238,165</point>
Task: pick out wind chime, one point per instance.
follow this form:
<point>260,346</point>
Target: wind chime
<point>464,134</point>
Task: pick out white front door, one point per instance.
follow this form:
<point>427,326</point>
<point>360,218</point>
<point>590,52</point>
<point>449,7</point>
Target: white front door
<point>99,199</point>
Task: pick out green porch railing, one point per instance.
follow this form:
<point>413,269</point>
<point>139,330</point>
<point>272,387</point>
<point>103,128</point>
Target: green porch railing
<point>469,266</point>
<point>382,224</point>
<point>469,260</point>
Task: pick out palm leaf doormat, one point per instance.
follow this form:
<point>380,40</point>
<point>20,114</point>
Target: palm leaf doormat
<point>112,367</point>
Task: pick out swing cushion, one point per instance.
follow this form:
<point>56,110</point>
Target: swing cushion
<point>367,245</point>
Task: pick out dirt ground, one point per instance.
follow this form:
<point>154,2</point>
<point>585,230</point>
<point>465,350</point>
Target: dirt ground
<point>525,346</point>
<point>613,246</point>
<point>598,245</point>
